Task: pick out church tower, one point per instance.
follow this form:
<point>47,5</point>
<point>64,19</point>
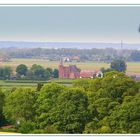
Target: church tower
<point>61,61</point>
<point>61,69</point>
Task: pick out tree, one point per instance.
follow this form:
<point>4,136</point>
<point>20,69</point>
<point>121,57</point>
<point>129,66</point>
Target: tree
<point>29,74</point>
<point>21,69</point>
<point>2,97</point>
<point>38,72</point>
<point>106,70</point>
<point>50,71</point>
<point>104,95</point>
<point>71,114</point>
<point>118,65</point>
<point>5,73</point>
<point>55,73</point>
<point>46,101</point>
<point>39,86</point>
<point>26,127</point>
<point>82,83</point>
<point>116,86</point>
<point>65,109</point>
<point>47,74</point>
<point>19,105</point>
<point>125,118</point>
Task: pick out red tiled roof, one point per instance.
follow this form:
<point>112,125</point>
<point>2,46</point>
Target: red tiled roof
<point>88,73</point>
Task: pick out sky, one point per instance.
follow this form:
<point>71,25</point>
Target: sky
<point>70,24</point>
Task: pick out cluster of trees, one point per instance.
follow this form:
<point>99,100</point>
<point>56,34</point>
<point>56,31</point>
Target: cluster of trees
<point>117,65</point>
<point>103,105</point>
<point>36,72</point>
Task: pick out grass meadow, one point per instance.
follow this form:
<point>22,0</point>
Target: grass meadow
<point>9,84</point>
<point>132,67</point>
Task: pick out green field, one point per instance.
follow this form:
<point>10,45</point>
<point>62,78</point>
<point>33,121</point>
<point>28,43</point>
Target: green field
<point>132,67</point>
<point>9,84</point>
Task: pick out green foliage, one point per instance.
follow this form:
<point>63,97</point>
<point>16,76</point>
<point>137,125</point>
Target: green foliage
<point>118,65</point>
<point>70,114</point>
<point>39,86</point>
<point>39,73</point>
<point>104,96</point>
<point>19,105</point>
<point>8,130</point>
<point>50,129</point>
<point>5,73</point>
<point>116,85</point>
<point>26,127</point>
<point>47,74</point>
<point>50,70</point>
<point>125,118</point>
<point>82,83</point>
<point>46,101</point>
<point>102,105</point>
<point>21,69</point>
<point>92,126</point>
<point>106,70</point>
<point>104,129</point>
<point>65,108</point>
<point>2,97</point>
<point>55,73</point>
<point>36,72</point>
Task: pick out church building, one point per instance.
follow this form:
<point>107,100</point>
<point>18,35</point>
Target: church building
<point>70,72</point>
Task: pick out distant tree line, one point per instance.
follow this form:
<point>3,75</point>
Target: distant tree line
<point>91,106</point>
<point>36,72</point>
<point>104,55</point>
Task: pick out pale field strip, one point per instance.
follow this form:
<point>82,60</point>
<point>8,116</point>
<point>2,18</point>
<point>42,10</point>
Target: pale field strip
<point>132,67</point>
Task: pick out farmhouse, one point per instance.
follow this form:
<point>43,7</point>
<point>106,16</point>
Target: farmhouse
<point>90,73</point>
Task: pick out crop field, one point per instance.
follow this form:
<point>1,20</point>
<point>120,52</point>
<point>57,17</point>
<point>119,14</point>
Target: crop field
<point>53,64</point>
<point>132,67</point>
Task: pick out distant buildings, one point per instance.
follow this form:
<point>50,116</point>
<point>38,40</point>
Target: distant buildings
<point>72,72</point>
<point>90,73</point>
<point>72,58</point>
<point>3,58</point>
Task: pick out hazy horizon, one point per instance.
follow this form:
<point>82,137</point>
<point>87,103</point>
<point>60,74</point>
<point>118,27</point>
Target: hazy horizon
<point>33,41</point>
<point>70,24</point>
